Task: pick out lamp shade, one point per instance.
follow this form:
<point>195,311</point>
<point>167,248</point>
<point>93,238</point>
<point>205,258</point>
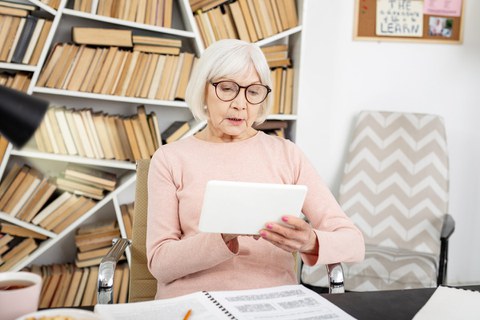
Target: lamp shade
<point>20,115</point>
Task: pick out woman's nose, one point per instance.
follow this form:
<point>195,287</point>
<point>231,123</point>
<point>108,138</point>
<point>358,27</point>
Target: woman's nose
<point>240,102</point>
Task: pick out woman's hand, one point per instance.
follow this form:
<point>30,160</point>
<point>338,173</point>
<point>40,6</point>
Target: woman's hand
<point>297,236</point>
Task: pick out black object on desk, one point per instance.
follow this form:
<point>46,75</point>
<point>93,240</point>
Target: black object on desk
<point>382,305</point>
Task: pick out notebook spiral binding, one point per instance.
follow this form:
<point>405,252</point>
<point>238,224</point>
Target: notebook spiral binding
<point>220,306</point>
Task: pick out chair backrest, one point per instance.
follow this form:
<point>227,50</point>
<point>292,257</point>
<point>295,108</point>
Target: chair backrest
<point>143,285</point>
<point>395,183</point>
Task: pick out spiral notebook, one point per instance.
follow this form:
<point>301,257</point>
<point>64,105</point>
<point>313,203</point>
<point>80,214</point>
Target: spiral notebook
<point>285,302</point>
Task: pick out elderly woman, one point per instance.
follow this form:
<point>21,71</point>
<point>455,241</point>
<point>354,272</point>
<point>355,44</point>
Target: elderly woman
<point>230,88</point>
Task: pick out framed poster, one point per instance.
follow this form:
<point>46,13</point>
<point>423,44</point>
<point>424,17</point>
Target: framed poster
<point>437,21</point>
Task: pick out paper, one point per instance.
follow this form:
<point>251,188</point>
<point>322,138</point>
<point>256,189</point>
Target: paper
<point>451,303</point>
<point>399,18</point>
<point>291,302</point>
<point>450,8</point>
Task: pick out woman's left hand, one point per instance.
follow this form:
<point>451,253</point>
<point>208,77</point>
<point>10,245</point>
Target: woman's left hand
<point>297,236</point>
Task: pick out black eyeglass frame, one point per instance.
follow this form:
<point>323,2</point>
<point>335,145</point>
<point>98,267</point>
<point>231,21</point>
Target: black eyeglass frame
<point>215,84</point>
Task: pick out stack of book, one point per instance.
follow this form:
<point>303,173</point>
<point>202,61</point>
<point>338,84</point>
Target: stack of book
<point>93,242</point>
<point>16,243</point>
<point>24,191</point>
<point>23,33</point>
<point>19,81</point>
<point>277,55</point>
<point>121,64</point>
<point>152,12</point>
<point>99,135</point>
<point>249,20</point>
<point>175,131</point>
<point>282,84</point>
<point>86,181</point>
<point>273,127</point>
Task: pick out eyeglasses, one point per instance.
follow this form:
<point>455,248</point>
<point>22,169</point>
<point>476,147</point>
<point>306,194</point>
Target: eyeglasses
<point>228,90</point>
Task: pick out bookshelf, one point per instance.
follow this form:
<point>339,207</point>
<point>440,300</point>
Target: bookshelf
<point>59,247</point>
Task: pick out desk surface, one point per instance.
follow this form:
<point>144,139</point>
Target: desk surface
<point>392,305</point>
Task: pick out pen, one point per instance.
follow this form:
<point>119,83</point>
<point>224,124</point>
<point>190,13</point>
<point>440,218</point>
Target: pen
<point>189,312</point>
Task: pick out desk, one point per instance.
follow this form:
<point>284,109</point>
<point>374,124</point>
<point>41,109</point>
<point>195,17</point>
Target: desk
<point>391,305</point>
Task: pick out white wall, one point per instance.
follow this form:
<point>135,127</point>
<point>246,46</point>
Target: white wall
<point>341,76</point>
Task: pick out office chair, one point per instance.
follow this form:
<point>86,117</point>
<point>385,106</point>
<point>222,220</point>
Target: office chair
<point>395,189</point>
<point>142,285</point>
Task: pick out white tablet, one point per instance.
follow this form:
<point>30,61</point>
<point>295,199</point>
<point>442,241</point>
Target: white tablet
<point>245,207</point>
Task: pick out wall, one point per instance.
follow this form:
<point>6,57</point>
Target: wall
<point>341,76</point>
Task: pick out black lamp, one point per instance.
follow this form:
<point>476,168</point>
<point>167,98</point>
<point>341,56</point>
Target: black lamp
<point>20,115</point>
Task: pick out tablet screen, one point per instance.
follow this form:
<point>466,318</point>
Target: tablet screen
<point>244,207</point>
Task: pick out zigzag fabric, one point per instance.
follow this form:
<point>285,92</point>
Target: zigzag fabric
<point>395,189</point>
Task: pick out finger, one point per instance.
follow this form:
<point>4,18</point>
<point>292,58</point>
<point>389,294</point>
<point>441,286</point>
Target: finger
<point>279,240</point>
<point>296,222</point>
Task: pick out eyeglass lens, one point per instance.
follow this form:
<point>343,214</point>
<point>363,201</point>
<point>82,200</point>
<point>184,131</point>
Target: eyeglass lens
<point>228,90</point>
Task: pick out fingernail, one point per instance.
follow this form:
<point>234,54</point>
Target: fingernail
<point>269,226</point>
<point>263,234</point>
<point>285,219</point>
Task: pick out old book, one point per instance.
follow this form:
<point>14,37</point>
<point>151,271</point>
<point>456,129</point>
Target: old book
<point>51,207</point>
<point>175,131</point>
<point>184,76</point>
<point>17,12</point>
<point>167,77</point>
<point>94,65</point>
<point>255,19</point>
<point>66,213</point>
<point>74,59</point>
<point>102,76</point>
<point>291,10</point>
<point>123,294</point>
<point>141,11</point>
<point>117,282</point>
<point>248,20</point>
<point>92,253</point>
<point>273,18</point>
<point>18,231</point>
<point>16,38</point>
<point>114,72</point>
<point>102,36</point>
<point>73,288</point>
<point>157,77</point>
<point>155,129</point>
<point>74,186</point>
<point>24,191</point>
<point>123,74</point>
<point>62,209</point>
<point>92,78</point>
<point>90,175</point>
<point>139,82</point>
<point>89,297</point>
<point>92,133</point>
<point>127,221</point>
<point>239,21</point>
<point>120,72</point>
<point>5,238</point>
<point>24,6</point>
<point>132,68</point>
<point>114,135</point>
<point>282,90</point>
<point>62,67</point>
<point>229,22</point>
<point>88,263</point>
<point>15,183</point>
<point>77,139</point>
<point>207,27</point>
<point>66,133</point>
<point>99,240</point>
<point>74,216</point>
<point>7,36</point>
<point>139,74</point>
<point>127,122</point>
<point>50,287</point>
<point>218,29</point>
<point>56,131</point>
<point>289,91</point>
<point>18,253</point>
<point>143,122</point>
<point>81,288</point>
<point>156,41</point>
<point>172,85</point>
<point>42,39</point>
<point>122,134</point>
<point>63,283</point>
<point>82,67</point>
<point>142,145</point>
<point>43,193</point>
<point>82,131</point>
<point>33,41</point>
<point>100,127</point>
<point>277,92</point>
<point>97,227</point>
<point>24,40</point>
<point>8,179</point>
<point>3,147</point>
<point>51,64</point>
<point>152,65</point>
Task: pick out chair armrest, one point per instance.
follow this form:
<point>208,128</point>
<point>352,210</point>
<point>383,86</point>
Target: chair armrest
<point>448,227</point>
<point>335,278</point>
<point>106,270</point>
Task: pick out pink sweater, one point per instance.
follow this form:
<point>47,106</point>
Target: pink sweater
<point>183,260</point>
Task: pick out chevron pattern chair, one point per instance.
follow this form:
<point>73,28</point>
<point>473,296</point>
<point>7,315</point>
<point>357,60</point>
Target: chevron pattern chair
<point>395,189</point>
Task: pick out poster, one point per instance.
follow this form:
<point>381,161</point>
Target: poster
<point>399,18</point>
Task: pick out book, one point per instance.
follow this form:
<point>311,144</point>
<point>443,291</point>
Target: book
<point>18,231</point>
<point>142,119</point>
<point>74,215</point>
<point>102,36</point>
<point>90,175</point>
<point>7,34</point>
<point>22,173</point>
<point>51,207</point>
<point>33,41</point>
<point>8,179</point>
<point>156,49</point>
<point>40,43</point>
<point>81,288</point>
<point>175,131</point>
<point>18,253</point>
<point>156,41</point>
<point>77,187</point>
<point>24,40</point>
<point>288,302</point>
<point>72,291</point>
<point>43,193</point>
<point>24,191</point>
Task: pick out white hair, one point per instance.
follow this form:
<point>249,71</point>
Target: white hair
<point>223,59</point>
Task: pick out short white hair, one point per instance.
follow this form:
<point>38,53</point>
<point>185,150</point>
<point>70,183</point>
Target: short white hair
<point>223,59</point>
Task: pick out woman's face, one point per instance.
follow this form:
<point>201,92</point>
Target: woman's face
<point>232,120</point>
